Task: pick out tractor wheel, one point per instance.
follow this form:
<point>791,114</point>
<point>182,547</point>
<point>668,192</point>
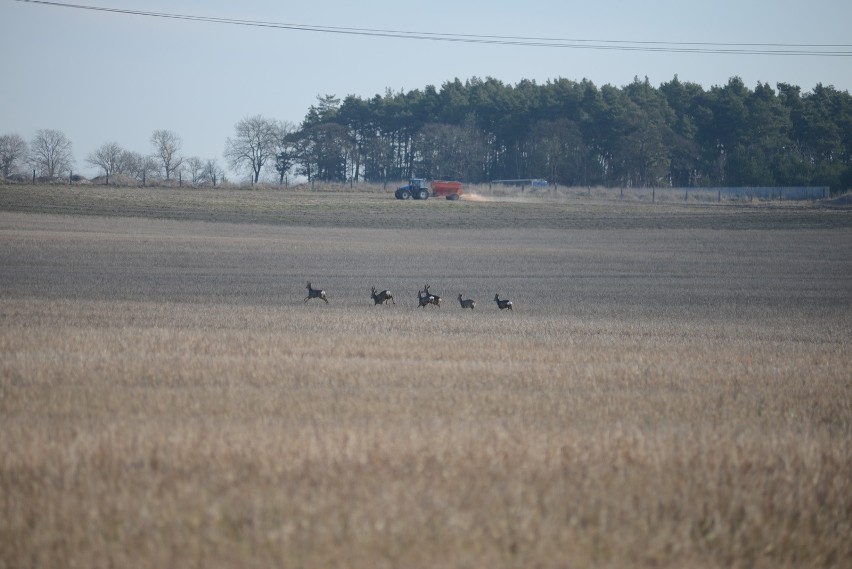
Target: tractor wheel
<point>453,197</point>
<point>404,195</point>
<point>423,194</point>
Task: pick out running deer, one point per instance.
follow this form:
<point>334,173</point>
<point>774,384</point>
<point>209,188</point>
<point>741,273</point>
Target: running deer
<point>315,293</point>
<point>433,298</point>
<point>502,304</point>
<point>424,298</point>
<point>381,297</point>
<point>467,303</point>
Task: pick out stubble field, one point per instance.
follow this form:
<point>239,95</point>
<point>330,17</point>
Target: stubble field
<point>673,388</point>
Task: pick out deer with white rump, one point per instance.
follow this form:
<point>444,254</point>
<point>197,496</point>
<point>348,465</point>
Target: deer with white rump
<point>425,297</point>
<point>433,298</point>
<point>503,304</point>
<point>315,293</point>
<point>381,297</point>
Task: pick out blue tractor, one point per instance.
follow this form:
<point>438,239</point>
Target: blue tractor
<point>417,188</point>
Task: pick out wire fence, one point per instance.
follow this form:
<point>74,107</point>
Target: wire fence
<point>507,188</point>
<point>695,194</point>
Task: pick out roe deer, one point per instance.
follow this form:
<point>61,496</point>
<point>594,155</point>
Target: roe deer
<point>381,297</point>
<point>315,293</point>
<point>502,304</point>
<point>467,303</point>
<point>433,298</point>
<point>423,299</point>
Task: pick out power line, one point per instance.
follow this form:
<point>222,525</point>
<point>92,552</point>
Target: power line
<point>777,49</point>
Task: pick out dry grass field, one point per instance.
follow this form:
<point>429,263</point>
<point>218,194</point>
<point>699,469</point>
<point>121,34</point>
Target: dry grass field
<point>672,389</point>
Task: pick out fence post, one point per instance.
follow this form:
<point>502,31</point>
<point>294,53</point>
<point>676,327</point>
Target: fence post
<point>70,176</point>
<point>34,177</point>
<point>720,195</point>
<point>653,195</point>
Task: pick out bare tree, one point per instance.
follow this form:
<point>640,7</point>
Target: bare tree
<point>108,158</point>
<point>254,144</point>
<point>50,152</point>
<point>195,169</point>
<point>212,173</point>
<point>127,163</point>
<point>13,151</point>
<point>167,147</point>
<point>138,165</point>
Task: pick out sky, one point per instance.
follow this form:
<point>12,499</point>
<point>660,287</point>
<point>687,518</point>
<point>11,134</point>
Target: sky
<point>103,76</point>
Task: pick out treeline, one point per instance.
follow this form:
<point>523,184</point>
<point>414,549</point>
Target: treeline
<point>577,134</point>
<point>570,133</point>
<point>50,156</point>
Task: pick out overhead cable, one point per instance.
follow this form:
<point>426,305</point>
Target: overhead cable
<point>777,49</point>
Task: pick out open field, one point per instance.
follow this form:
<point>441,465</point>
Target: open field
<point>375,208</point>
<point>673,388</point>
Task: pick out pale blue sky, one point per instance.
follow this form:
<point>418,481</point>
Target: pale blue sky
<point>103,77</point>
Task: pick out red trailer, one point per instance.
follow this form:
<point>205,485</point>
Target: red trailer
<point>417,189</point>
<point>450,190</point>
